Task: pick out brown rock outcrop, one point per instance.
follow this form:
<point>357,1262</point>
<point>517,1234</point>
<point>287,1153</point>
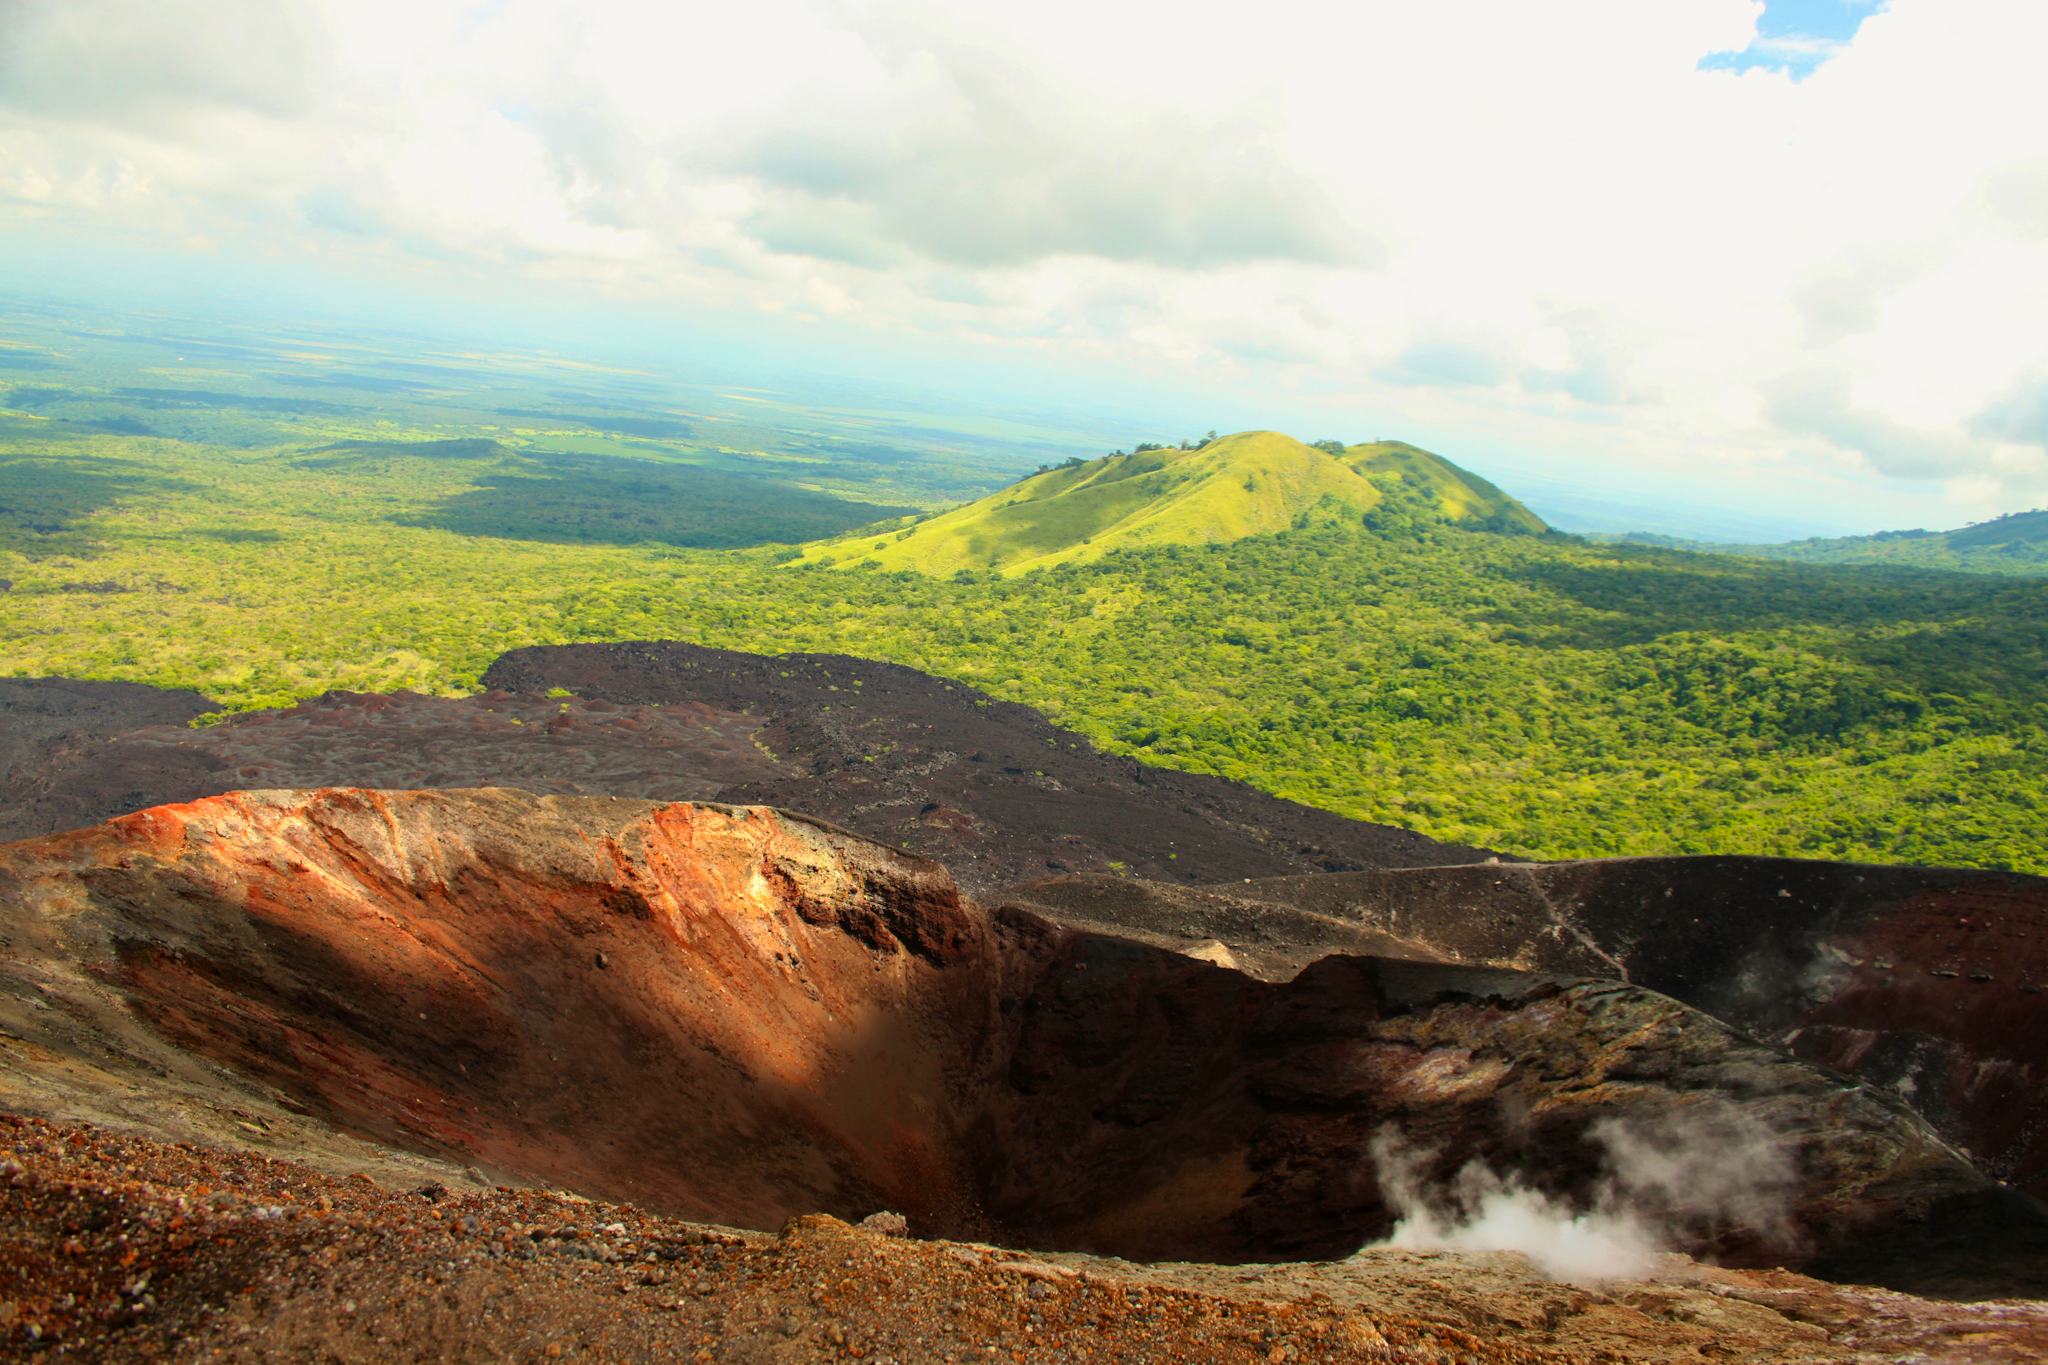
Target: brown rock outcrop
<point>1931,983</point>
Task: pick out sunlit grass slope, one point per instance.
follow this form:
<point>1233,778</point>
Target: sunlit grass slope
<point>1458,494</point>
<point>1236,486</point>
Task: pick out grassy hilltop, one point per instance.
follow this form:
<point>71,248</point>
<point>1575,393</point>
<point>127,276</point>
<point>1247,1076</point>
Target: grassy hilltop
<point>1251,483</point>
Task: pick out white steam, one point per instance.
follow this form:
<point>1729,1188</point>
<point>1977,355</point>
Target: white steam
<point>1664,1184</point>
<point>1480,1211</point>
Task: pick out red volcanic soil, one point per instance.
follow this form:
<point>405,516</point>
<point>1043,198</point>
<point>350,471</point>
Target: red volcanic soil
<point>116,1247</point>
<point>701,1008</point>
<point>741,1016</point>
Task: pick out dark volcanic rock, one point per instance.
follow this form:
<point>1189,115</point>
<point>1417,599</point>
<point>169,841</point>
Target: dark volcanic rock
<point>118,758</point>
<point>1929,982</point>
<point>988,787</point>
<point>60,762</point>
<point>788,1019</point>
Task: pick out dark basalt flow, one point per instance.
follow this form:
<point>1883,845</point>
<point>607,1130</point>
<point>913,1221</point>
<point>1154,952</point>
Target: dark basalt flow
<point>73,764</point>
<point>1929,983</point>
<point>53,738</point>
<point>988,787</point>
<point>742,1016</point>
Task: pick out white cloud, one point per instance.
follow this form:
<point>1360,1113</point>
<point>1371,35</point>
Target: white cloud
<point>1543,210</point>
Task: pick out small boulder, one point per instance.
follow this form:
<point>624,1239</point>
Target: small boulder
<point>1213,951</point>
<point>887,1223</point>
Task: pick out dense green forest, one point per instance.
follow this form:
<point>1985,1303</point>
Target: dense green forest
<point>181,522</point>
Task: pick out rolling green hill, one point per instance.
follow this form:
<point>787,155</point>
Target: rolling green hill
<point>1247,484</point>
<point>2010,544</point>
<point>2013,544</point>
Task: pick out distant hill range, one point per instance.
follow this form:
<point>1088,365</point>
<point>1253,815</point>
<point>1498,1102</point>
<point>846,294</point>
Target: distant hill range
<point>2013,544</point>
<point>1225,489</point>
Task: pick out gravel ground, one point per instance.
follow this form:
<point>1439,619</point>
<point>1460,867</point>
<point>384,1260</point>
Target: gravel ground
<point>113,1246</point>
<point>118,1247</point>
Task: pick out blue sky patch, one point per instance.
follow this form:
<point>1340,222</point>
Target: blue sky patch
<point>1797,36</point>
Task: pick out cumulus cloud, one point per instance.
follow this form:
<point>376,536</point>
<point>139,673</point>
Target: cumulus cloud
<point>2017,197</point>
<point>1553,212</point>
<point>976,161</point>
<point>1820,403</point>
<point>116,65</point>
<point>2020,414</point>
<point>1448,364</point>
<point>1847,297</point>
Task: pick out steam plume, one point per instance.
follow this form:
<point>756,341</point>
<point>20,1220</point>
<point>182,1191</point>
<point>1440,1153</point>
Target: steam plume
<point>1666,1183</point>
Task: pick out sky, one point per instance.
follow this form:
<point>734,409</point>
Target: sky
<point>1787,259</point>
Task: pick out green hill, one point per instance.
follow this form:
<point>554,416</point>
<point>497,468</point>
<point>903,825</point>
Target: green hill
<point>1227,489</point>
<point>1441,490</point>
<point>2016,544</point>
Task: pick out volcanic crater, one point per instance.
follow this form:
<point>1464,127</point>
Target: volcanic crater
<point>1229,1039</point>
<point>741,1016</point>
